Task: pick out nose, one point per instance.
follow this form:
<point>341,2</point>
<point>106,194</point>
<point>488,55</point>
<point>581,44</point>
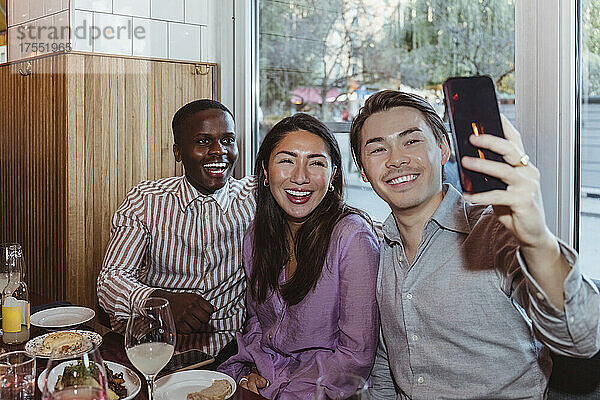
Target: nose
<point>397,158</point>
<point>299,175</point>
<point>217,148</point>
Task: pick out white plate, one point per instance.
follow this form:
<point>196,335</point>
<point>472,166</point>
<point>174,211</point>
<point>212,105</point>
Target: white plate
<point>34,346</point>
<point>62,317</point>
<point>132,381</point>
<point>177,385</point>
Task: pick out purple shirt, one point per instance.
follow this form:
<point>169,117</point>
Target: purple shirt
<point>334,328</point>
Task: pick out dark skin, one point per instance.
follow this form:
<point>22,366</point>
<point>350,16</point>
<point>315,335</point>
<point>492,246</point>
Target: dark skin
<point>208,150</point>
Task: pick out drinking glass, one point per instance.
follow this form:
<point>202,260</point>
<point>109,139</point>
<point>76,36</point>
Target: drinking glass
<point>341,386</point>
<point>82,375</point>
<point>150,338</point>
<point>17,376</point>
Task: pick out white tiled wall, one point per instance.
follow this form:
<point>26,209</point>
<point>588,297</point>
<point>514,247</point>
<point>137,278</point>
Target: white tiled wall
<point>155,28</point>
<point>36,27</point>
<point>169,29</point>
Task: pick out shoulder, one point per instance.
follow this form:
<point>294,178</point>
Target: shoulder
<point>157,187</point>
<point>243,188</point>
<point>351,226</point>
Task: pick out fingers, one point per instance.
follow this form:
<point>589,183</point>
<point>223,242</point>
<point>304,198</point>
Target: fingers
<point>496,197</point>
<point>201,303</point>
<point>511,133</point>
<point>492,168</point>
<point>507,149</point>
<point>183,327</point>
<point>253,382</point>
<point>244,382</point>
<point>198,314</point>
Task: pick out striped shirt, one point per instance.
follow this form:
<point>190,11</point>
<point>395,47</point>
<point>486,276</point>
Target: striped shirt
<point>168,235</point>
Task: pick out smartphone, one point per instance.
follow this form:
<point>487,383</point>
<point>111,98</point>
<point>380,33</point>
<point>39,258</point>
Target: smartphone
<point>189,359</point>
<point>473,109</point>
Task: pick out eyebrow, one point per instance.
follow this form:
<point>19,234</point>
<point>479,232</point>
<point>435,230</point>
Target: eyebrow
<point>380,139</point>
<point>205,133</point>
<point>292,154</point>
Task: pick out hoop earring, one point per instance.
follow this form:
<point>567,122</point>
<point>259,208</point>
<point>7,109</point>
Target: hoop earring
<point>331,188</point>
<point>266,182</point>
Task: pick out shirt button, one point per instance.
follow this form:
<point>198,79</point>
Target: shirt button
<point>572,319</point>
<point>539,295</point>
<point>270,336</point>
<point>415,338</point>
<point>420,380</point>
<point>409,296</point>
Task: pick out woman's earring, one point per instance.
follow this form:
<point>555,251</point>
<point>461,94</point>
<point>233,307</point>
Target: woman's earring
<point>266,182</point>
<point>331,188</point>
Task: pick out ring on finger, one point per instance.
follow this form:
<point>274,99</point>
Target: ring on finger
<point>523,161</point>
<point>243,379</point>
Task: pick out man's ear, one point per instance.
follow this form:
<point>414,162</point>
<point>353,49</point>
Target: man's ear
<point>177,152</point>
<point>363,175</point>
<point>445,148</point>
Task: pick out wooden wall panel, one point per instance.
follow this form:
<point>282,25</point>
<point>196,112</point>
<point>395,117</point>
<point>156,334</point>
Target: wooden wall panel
<point>76,135</point>
<point>127,138</point>
<point>32,170</point>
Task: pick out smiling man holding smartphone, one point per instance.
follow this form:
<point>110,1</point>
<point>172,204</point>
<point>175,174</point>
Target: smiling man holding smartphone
<point>467,293</point>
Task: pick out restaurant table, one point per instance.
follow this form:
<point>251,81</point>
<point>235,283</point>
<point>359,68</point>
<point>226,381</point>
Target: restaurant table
<point>112,349</point>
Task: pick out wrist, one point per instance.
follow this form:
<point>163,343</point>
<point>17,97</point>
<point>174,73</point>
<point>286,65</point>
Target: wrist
<point>544,252</point>
<point>546,243</point>
<point>164,294</point>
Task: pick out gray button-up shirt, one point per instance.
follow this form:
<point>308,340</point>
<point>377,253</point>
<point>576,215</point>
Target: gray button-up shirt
<point>465,319</point>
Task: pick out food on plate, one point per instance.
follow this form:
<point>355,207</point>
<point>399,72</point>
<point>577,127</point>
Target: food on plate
<point>219,390</point>
<point>79,375</point>
<point>65,342</point>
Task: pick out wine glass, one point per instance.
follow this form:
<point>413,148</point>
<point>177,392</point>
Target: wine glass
<point>81,376</point>
<point>150,338</point>
<point>17,376</point>
<point>341,386</point>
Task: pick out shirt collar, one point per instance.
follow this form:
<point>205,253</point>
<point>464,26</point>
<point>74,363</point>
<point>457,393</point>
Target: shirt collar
<point>451,214</point>
<point>188,193</point>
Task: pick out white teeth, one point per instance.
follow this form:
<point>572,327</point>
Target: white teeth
<point>216,165</point>
<point>298,193</point>
<point>401,179</point>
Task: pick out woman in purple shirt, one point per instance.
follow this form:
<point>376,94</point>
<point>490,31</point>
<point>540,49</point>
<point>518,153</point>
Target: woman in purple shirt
<point>311,262</point>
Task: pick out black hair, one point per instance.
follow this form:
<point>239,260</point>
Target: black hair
<point>386,100</point>
<point>181,116</point>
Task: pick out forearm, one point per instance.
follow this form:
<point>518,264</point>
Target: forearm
<point>548,267</point>
<point>118,291</point>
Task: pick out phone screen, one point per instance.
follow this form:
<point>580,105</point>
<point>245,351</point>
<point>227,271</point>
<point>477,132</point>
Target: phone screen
<point>187,360</point>
<point>473,110</point>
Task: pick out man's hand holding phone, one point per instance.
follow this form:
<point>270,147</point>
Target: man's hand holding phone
<point>190,311</point>
<point>520,208</point>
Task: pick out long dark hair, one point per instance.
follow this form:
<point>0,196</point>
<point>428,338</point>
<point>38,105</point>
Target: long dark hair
<point>270,251</point>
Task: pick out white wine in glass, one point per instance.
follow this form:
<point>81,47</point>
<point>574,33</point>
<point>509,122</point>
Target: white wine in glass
<point>150,338</point>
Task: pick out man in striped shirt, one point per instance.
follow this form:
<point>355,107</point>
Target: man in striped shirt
<point>180,238</point>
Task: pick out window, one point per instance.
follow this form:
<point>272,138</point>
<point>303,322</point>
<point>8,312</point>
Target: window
<point>589,209</point>
<point>3,31</point>
<point>325,57</point>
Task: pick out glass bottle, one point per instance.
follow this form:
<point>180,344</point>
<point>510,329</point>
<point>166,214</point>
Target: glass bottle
<point>15,300</point>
